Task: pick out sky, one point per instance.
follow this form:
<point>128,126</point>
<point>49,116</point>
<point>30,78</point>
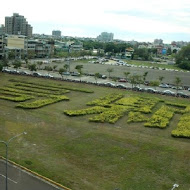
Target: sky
<point>139,20</point>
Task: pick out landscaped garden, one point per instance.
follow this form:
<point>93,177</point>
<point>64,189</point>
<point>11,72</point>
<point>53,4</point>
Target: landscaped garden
<point>89,137</point>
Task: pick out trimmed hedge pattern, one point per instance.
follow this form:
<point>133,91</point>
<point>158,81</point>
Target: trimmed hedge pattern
<point>21,98</point>
<point>161,118</point>
<point>93,110</point>
<point>183,127</point>
<point>42,102</point>
<point>111,115</point>
<point>136,117</point>
<point>106,100</point>
<point>52,86</point>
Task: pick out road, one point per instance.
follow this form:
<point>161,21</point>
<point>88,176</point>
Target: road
<point>22,180</point>
<point>152,73</point>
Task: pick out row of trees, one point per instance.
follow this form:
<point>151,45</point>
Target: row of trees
<point>183,58</point>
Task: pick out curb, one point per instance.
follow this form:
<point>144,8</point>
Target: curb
<point>36,174</point>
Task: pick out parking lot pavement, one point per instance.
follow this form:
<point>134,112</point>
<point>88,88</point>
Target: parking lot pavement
<point>21,180</point>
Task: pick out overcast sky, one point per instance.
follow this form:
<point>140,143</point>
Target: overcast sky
<point>141,20</point>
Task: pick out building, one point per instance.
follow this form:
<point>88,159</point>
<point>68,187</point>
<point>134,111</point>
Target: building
<point>2,46</point>
<point>105,37</point>
<point>40,48</point>
<point>17,25</point>
<point>158,42</point>
<point>56,33</point>
<point>2,29</point>
<point>15,44</point>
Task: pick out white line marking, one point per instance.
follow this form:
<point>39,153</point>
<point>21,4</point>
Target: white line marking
<point>8,179</point>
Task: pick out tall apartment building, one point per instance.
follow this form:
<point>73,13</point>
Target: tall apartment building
<point>56,33</point>
<point>105,37</point>
<point>2,29</point>
<point>17,25</point>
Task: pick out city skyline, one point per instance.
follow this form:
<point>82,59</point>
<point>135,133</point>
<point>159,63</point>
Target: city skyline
<point>136,20</point>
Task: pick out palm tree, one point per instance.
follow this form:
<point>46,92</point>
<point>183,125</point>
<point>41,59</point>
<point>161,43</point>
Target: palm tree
<point>79,69</point>
<point>126,74</point>
<point>96,76</point>
<point>61,71</point>
<point>145,75</point>
<point>54,67</point>
<point>66,66</point>
<point>161,78</point>
<point>32,67</point>
<point>110,70</point>
<point>177,82</point>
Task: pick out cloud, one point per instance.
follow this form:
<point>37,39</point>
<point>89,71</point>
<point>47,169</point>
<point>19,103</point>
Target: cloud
<point>89,18</point>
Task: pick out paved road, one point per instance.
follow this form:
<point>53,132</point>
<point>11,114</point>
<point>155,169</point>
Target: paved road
<point>91,78</point>
<point>21,180</point>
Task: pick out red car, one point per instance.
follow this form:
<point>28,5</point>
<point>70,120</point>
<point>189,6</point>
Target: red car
<point>122,80</point>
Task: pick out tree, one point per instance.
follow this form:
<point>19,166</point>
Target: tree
<point>79,69</point>
<point>155,83</point>
<point>110,70</point>
<point>96,76</point>
<point>161,78</point>
<point>48,68</point>
<point>177,83</point>
<point>32,67</point>
<point>183,58</point>
<point>39,64</point>
<point>17,64</point>
<point>54,67</point>
<point>145,75</point>
<point>66,66</point>
<point>1,66</point>
<point>135,79</point>
<point>126,75</point>
<point>5,62</point>
<point>61,71</point>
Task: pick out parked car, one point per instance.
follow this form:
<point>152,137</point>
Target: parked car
<point>121,86</point>
<point>66,73</point>
<point>75,74</point>
<point>182,94</point>
<point>122,80</point>
<point>164,85</point>
<point>152,90</point>
<point>169,92</point>
<point>37,74</point>
<point>109,84</point>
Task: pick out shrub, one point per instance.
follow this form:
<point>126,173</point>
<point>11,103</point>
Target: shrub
<point>183,127</point>
<point>93,110</point>
<point>106,100</point>
<point>42,102</point>
<point>21,98</point>
<point>111,115</point>
<point>136,117</point>
<point>160,118</point>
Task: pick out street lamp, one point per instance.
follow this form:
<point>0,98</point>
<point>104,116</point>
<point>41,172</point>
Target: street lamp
<point>7,146</point>
<point>174,186</point>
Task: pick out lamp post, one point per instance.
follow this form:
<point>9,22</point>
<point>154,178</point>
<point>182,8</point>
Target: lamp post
<point>7,146</point>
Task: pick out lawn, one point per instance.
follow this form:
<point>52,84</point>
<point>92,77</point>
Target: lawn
<point>91,155</point>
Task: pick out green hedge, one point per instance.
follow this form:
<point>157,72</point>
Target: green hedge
<point>111,115</point>
<point>136,117</point>
<point>160,118</point>
<point>21,98</point>
<point>93,110</point>
<point>42,102</point>
<point>53,86</point>
<point>106,100</point>
<point>183,127</point>
<point>39,90</point>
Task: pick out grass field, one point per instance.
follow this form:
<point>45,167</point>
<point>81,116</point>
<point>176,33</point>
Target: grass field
<point>85,155</point>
